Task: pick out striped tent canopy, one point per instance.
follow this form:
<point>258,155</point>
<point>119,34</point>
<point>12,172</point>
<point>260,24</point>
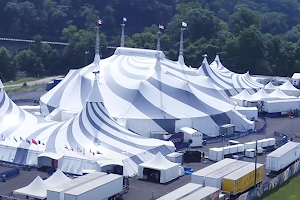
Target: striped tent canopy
<point>228,82</point>
<point>91,138</point>
<point>145,92</point>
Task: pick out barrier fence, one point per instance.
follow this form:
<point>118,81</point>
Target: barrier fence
<point>271,184</point>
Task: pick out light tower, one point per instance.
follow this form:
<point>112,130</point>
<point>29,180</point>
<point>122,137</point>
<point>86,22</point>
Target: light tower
<point>182,29</point>
<point>123,35</point>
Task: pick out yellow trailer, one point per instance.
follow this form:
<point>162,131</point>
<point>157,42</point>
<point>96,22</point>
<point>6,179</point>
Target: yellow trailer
<point>243,178</point>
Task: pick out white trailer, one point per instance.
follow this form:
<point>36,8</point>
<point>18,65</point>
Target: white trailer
<point>215,179</point>
<point>199,176</point>
<point>58,192</point>
<point>181,192</point>
<point>215,154</point>
<point>283,105</point>
<point>283,156</point>
<point>191,134</point>
<point>99,189</point>
<point>203,194</point>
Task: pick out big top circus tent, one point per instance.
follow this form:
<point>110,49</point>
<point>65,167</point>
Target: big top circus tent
<point>145,92</point>
<point>90,140</point>
<point>227,82</point>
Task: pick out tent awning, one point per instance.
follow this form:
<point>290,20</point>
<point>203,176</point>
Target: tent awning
<point>50,155</point>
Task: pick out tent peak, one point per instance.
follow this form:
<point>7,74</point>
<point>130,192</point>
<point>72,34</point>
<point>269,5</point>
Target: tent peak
<point>1,85</point>
<point>95,94</point>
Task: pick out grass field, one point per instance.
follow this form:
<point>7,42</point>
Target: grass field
<point>23,80</point>
<point>290,190</point>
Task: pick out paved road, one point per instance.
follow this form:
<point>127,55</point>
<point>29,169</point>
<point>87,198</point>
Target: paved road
<point>37,82</point>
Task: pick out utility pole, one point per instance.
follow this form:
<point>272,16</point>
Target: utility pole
<point>223,135</point>
<point>255,170</point>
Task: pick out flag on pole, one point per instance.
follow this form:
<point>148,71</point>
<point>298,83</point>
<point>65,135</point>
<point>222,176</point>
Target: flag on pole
<point>15,139</point>
<point>28,141</point>
<point>79,150</point>
<point>83,151</point>
<point>34,142</point>
<point>161,27</point>
<point>124,19</point>
<point>2,137</point>
<point>100,22</point>
<point>67,148</point>
<point>39,142</point>
<point>21,139</point>
<point>183,24</point>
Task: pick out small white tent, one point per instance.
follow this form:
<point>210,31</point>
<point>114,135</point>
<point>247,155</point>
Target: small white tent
<point>262,95</point>
<point>278,93</point>
<point>37,189</point>
<point>289,89</point>
<point>56,179</point>
<point>243,98</point>
<point>168,170</point>
<point>270,87</point>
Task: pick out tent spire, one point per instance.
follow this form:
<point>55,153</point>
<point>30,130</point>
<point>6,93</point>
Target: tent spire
<point>159,33</point>
<point>182,29</point>
<point>123,34</point>
<point>1,85</point>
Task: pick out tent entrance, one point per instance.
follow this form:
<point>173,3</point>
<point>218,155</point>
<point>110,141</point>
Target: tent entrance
<point>152,175</point>
<point>112,169</point>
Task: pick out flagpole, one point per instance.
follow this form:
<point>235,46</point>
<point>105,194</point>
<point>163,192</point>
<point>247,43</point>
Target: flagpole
<point>180,57</point>
<point>97,45</point>
<point>159,33</point>
<point>123,34</point>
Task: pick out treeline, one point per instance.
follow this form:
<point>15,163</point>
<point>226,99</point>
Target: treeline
<point>260,36</point>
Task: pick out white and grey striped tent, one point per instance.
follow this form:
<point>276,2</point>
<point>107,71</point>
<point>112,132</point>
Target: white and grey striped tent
<point>227,82</point>
<point>145,92</point>
<point>89,140</point>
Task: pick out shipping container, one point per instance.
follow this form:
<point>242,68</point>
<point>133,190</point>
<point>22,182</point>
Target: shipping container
<point>215,154</point>
<point>181,192</point>
<point>283,156</point>
<point>206,193</point>
<point>99,189</point>
<point>199,176</point>
<point>215,179</point>
<point>243,178</point>
<point>175,157</point>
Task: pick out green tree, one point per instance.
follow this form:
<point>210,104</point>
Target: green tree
<point>28,62</point>
<point>243,18</point>
<point>7,69</point>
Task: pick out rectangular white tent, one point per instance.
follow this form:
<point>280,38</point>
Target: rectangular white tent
<point>168,170</point>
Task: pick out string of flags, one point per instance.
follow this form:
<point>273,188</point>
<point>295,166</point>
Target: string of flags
<point>32,141</point>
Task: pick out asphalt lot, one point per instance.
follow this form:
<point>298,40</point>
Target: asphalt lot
<point>143,190</point>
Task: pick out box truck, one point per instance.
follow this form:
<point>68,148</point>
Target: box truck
<point>243,178</point>
<point>199,176</point>
<point>283,156</point>
<point>215,179</point>
<point>181,192</point>
<point>205,193</point>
